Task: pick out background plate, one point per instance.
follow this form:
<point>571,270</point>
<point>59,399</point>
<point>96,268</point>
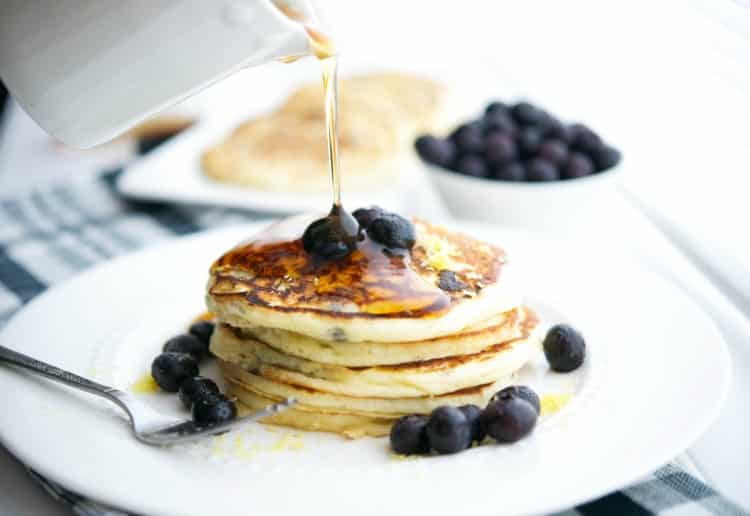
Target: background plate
<point>172,172</point>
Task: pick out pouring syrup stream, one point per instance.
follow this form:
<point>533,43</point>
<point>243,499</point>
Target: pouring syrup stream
<point>324,50</point>
<point>329,67</point>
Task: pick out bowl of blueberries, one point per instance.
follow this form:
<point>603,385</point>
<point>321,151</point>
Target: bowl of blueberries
<point>521,166</point>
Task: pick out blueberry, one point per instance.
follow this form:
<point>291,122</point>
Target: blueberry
<point>499,148</point>
<point>170,369</point>
<point>408,435</point>
<point>605,157</point>
<point>195,389</point>
<point>578,165</point>
<point>468,138</point>
<point>544,121</point>
<point>496,107</point>
<point>508,419</point>
<point>435,150</point>
<point>564,348</point>
<point>202,330</point>
<point>473,413</point>
<point>557,130</point>
<point>514,171</point>
<point>554,151</point>
<point>539,169</point>
<point>332,237</point>
<point>584,139</point>
<point>448,430</point>
<point>212,409</point>
<point>393,231</point>
<point>528,140</point>
<point>365,216</point>
<point>186,343</point>
<point>448,281</point>
<point>526,113</point>
<point>521,391</point>
<point>472,166</point>
<point>498,122</point>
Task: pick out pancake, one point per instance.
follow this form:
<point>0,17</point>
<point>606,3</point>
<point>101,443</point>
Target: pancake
<point>371,295</point>
<point>413,379</point>
<point>499,328</point>
<point>282,152</point>
<point>348,425</point>
<point>311,400</point>
<point>413,104</point>
<point>379,118</point>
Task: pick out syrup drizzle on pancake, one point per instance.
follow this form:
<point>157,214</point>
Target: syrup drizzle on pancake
<point>380,282</point>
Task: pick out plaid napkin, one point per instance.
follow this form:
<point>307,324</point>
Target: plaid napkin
<point>59,231</point>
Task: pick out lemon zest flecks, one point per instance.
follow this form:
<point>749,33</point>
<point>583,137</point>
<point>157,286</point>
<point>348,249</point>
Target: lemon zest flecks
<point>288,441</point>
<point>244,450</point>
<point>398,457</point>
<point>145,385</point>
<point>218,447</point>
<point>439,252</point>
<point>553,403</point>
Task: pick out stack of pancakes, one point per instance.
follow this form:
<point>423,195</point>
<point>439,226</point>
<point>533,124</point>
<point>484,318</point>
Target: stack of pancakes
<point>362,341</point>
<point>380,115</point>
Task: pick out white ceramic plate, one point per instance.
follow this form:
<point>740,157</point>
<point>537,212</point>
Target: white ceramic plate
<point>172,172</point>
<point>656,374</point>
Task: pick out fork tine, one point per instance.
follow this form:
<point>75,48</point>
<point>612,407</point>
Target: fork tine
<point>189,431</point>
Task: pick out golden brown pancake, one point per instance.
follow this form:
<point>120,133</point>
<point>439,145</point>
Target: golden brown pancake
<point>379,117</point>
<point>373,294</point>
<point>286,153</point>
<point>368,338</point>
<point>409,103</point>
<point>498,328</point>
<point>418,378</point>
<point>349,425</point>
<point>312,400</point>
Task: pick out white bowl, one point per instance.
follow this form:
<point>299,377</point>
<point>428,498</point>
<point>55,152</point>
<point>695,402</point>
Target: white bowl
<point>535,206</point>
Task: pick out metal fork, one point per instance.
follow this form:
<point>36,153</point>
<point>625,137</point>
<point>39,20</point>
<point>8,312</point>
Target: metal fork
<point>148,425</point>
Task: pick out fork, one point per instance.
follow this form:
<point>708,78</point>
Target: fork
<point>148,425</point>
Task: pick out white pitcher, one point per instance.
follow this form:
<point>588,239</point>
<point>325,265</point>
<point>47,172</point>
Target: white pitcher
<point>88,70</point>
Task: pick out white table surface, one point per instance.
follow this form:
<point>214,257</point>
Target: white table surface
<point>669,85</point>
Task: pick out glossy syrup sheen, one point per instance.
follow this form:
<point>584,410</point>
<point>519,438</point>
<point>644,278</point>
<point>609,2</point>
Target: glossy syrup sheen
<point>370,281</point>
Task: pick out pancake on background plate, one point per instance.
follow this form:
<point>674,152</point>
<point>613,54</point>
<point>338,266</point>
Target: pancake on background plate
<point>380,115</point>
<point>373,336</point>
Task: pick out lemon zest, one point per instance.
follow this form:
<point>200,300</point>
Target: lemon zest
<point>439,252</point>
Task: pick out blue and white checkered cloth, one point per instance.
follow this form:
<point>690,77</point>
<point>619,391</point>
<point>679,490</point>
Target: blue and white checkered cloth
<point>59,231</point>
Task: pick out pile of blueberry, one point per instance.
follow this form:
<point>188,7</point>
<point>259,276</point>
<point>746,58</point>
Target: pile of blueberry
<point>510,415</point>
<point>519,142</point>
<point>176,370</point>
<point>336,236</point>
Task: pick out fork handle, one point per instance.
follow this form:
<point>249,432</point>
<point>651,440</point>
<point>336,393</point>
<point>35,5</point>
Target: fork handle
<point>55,373</point>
